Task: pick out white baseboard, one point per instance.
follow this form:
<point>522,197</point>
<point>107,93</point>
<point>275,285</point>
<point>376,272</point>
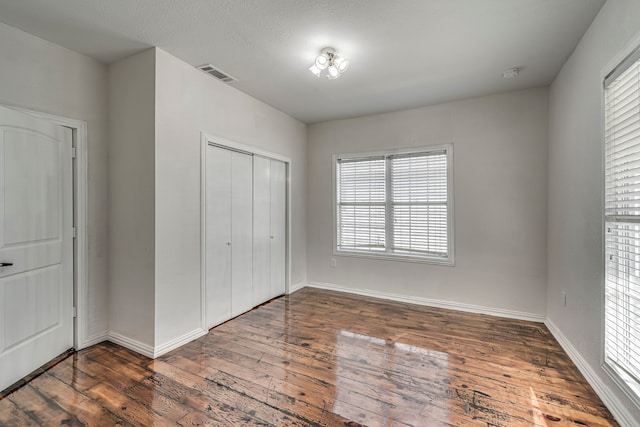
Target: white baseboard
<point>179,341</point>
<point>296,287</point>
<point>93,340</point>
<point>622,415</point>
<point>153,352</point>
<point>131,344</point>
<point>499,312</point>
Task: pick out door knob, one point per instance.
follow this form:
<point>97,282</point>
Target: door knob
<point>228,243</point>
<point>6,264</point>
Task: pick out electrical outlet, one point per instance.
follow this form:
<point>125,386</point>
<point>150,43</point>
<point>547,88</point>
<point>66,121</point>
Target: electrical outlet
<point>564,298</point>
<point>333,262</point>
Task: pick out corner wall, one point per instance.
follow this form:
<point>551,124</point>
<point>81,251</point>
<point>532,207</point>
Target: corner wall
<point>41,76</point>
<point>189,102</point>
<point>132,202</point>
<point>499,167</point>
<point>575,190</point>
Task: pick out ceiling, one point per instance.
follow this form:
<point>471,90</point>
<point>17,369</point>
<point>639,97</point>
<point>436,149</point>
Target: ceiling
<point>404,53</point>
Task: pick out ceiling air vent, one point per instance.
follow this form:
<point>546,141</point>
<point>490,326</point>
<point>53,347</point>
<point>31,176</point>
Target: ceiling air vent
<point>217,73</point>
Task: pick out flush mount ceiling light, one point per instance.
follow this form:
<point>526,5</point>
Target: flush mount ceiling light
<point>328,60</point>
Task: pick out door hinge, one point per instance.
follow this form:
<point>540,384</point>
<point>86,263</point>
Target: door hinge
<point>73,232</point>
<point>74,312</point>
<point>74,152</point>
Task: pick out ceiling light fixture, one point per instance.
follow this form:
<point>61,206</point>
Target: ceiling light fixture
<point>330,61</point>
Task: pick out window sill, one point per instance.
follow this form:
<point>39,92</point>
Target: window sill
<point>388,257</point>
<point>630,388</point>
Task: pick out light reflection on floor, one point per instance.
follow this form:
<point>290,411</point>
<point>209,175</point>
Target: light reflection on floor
<point>538,416</point>
<point>389,358</point>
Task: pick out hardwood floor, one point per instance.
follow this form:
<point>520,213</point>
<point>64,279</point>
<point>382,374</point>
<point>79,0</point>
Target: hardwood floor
<point>320,358</point>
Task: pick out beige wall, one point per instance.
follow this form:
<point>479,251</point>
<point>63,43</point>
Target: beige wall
<point>41,76</point>
<point>500,158</point>
<point>189,102</point>
<point>575,186</point>
<point>132,198</point>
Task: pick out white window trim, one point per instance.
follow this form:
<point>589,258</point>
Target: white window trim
<point>450,260</point>
<point>619,377</point>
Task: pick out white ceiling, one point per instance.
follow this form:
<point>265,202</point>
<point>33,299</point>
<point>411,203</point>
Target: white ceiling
<point>404,53</point>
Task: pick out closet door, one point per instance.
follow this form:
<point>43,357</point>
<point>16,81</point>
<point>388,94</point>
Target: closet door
<point>245,232</point>
<point>261,230</point>
<point>241,233</point>
<point>218,235</point>
<point>278,219</point>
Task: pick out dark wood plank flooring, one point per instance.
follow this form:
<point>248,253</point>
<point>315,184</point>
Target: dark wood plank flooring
<point>320,358</point>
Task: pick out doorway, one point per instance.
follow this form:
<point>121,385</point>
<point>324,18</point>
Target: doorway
<point>43,245</point>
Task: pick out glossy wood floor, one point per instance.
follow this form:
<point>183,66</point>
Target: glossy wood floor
<point>320,358</point>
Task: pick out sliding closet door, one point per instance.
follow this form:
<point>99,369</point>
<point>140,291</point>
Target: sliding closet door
<point>278,218</point>
<point>261,229</point>
<point>218,235</point>
<point>241,233</point>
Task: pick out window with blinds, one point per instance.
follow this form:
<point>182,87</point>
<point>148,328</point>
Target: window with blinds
<point>395,204</point>
<point>622,223</point>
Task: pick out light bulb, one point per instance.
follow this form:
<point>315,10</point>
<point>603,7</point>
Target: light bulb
<point>342,64</point>
<point>332,72</point>
<point>315,70</point>
<point>322,61</point>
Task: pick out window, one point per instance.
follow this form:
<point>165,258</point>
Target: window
<point>395,204</point>
<point>622,224</point>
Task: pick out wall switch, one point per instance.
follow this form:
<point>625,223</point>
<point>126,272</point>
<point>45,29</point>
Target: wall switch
<point>564,298</point>
<point>333,262</point>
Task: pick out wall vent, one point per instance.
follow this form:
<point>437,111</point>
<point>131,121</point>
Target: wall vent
<point>216,73</point>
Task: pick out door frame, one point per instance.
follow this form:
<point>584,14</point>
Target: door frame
<point>205,140</point>
<point>80,202</point>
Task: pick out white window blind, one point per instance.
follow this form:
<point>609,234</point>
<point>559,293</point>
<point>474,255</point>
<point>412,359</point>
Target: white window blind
<point>361,204</point>
<point>419,199</point>
<point>394,204</point>
<point>622,222</point>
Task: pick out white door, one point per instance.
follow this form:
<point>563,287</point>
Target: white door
<point>278,217</point>
<point>218,235</point>
<point>241,233</point>
<point>229,234</point>
<point>36,244</point>
<point>261,230</point>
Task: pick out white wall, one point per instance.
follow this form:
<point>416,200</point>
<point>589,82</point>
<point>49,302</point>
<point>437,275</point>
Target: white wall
<point>132,197</point>
<point>42,76</point>
<point>575,186</point>
<point>500,158</point>
<point>188,102</point>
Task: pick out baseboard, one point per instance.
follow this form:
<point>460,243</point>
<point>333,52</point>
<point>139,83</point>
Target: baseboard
<point>179,341</point>
<point>520,315</point>
<point>93,340</point>
<point>622,415</point>
<point>131,344</point>
<point>296,287</point>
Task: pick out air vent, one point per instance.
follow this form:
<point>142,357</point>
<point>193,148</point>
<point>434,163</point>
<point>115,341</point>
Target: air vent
<point>216,73</point>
